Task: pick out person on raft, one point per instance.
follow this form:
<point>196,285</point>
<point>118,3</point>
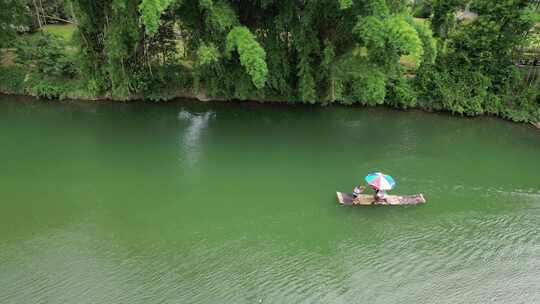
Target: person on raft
<point>380,196</point>
<point>357,191</point>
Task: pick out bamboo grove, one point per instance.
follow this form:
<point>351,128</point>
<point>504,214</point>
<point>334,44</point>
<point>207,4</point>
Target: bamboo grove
<point>312,51</point>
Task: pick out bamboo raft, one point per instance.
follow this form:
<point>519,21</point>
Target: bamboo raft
<point>391,200</point>
<point>536,124</point>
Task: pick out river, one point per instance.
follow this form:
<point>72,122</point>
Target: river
<point>189,202</point>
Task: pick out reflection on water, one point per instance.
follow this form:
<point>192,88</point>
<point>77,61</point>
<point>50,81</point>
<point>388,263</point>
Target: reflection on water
<point>191,138</point>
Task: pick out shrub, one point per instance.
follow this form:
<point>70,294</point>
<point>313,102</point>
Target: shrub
<point>422,9</point>
<point>47,54</point>
<point>400,93</point>
<point>12,80</point>
<point>166,83</point>
<point>49,91</point>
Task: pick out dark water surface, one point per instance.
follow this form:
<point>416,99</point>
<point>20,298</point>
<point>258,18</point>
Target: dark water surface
<point>228,203</point>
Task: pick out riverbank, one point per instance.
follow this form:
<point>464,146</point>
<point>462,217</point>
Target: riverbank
<point>18,81</point>
<point>201,97</point>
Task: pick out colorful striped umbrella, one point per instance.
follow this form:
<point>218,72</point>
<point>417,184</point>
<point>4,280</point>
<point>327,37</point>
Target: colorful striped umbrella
<point>380,181</point>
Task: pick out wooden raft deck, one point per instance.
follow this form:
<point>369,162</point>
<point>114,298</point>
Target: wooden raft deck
<point>391,200</point>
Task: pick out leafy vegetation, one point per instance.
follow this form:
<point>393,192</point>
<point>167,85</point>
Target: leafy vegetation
<point>11,16</point>
<point>475,71</point>
<point>12,80</point>
<point>47,54</point>
<point>65,31</point>
<point>368,52</point>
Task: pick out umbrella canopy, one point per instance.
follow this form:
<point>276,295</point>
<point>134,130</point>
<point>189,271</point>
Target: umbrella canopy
<point>380,181</point>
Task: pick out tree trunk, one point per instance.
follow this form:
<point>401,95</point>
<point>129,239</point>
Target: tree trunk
<point>37,14</point>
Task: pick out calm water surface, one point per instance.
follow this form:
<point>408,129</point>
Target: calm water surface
<point>227,203</point>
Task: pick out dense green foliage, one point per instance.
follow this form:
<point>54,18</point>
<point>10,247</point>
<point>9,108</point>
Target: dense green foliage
<point>475,72</point>
<point>11,16</point>
<point>12,80</point>
<point>47,53</point>
<point>320,51</point>
<point>252,55</point>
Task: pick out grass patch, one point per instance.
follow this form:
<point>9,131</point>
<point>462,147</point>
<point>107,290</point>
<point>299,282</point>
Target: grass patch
<point>63,30</point>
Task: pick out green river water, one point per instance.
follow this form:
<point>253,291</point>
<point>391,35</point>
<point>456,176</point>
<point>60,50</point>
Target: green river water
<point>235,203</point>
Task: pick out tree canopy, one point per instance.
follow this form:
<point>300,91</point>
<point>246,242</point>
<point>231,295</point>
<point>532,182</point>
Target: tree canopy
<point>317,51</point>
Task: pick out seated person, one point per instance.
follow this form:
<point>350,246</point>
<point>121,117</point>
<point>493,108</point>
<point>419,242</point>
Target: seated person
<point>380,196</point>
<point>357,191</point>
